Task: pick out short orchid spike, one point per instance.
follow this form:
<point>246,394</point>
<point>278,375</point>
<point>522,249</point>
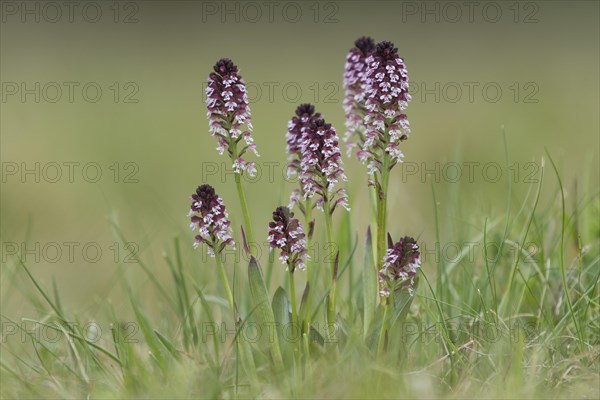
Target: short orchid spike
<point>287,235</point>
<point>400,266</point>
<point>209,217</point>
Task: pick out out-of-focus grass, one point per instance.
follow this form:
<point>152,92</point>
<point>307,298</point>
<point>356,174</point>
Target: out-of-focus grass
<point>491,317</point>
<point>169,54</point>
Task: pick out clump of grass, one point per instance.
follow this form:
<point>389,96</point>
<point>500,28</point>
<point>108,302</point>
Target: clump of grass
<point>501,328</point>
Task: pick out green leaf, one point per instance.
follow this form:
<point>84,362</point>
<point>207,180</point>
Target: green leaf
<point>56,309</point>
<point>144,326</point>
<point>264,312</point>
<point>245,353</point>
<point>211,321</point>
<point>369,285</point>
<point>402,301</point>
<point>304,306</point>
<point>316,337</point>
<point>281,307</point>
<point>167,343</point>
<point>281,311</point>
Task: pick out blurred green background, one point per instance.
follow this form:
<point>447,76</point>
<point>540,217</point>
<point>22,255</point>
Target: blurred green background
<point>151,59</point>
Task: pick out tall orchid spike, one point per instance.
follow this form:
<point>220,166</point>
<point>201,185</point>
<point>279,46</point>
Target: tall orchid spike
<point>321,165</point>
<point>229,114</point>
<point>354,85</point>
<point>305,113</point>
<point>386,91</point>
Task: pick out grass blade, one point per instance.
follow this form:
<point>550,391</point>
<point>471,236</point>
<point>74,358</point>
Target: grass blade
<point>264,310</point>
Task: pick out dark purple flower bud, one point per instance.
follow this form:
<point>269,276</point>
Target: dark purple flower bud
<point>229,113</point>
<point>321,165</point>
<point>354,84</point>
<point>400,266</point>
<point>209,217</point>
<point>386,91</point>
<point>286,234</point>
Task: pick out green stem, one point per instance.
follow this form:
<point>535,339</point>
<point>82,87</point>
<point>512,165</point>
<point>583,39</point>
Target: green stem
<point>332,294</point>
<point>384,327</point>
<point>382,210</point>
<point>295,325</point>
<point>246,213</point>
<point>293,299</point>
<point>225,280</point>
<point>307,219</point>
<point>242,195</point>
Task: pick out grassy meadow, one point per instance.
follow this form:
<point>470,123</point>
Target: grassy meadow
<point>104,136</point>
